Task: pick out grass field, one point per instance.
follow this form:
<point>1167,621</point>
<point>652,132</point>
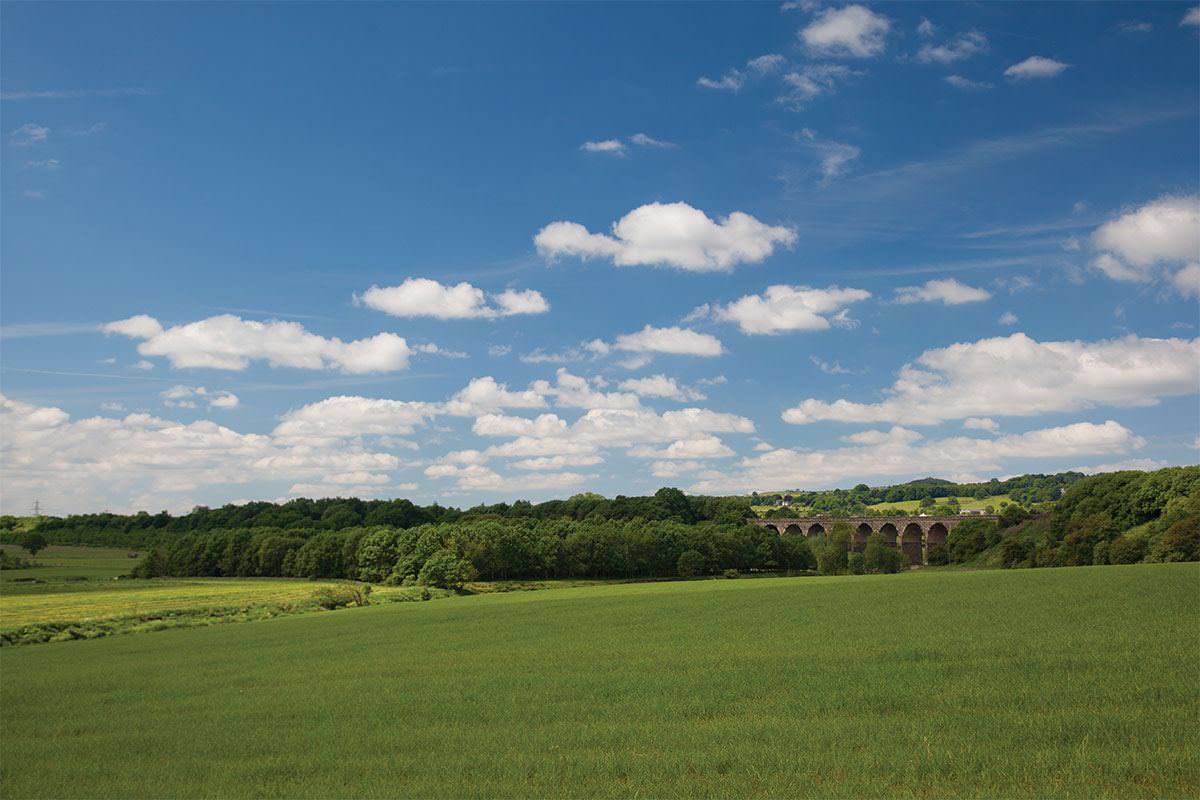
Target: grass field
<point>63,563</point>
<point>1027,683</point>
<point>910,506</point>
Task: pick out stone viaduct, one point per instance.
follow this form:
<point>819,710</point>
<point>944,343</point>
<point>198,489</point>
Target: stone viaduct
<point>913,534</point>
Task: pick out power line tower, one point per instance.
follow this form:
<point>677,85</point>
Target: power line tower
<point>37,509</point>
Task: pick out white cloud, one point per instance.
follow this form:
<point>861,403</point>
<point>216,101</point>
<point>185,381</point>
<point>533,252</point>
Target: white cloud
<point>111,406</point>
<point>697,447</point>
<point>1142,244</point>
<point>145,462</point>
<point>1187,280</point>
<point>901,453</point>
<point>947,291</point>
<point>1135,27</point>
<point>644,140</point>
<point>29,133</point>
<point>966,84</point>
<point>662,386</point>
<point>548,434</point>
<point>1192,17</point>
<point>144,365</point>
<point>1035,67</point>
<point>829,369</point>
<point>499,350</point>
<point>813,80</point>
<point>926,28</point>
<point>434,350</point>
<point>51,164</point>
<point>981,424</point>
<point>853,31</point>
<point>789,308</point>
<point>673,340</point>
<point>482,395</point>
<point>673,469</point>
<point>229,342</point>
<point>1018,376</point>
<point>613,147</point>
<point>350,417</point>
<point>834,156</point>
<point>573,391</point>
<point>1140,464</point>
<point>181,396</point>
<point>1008,318</point>
<point>423,297</point>
<point>731,81</point>
<point>556,462</point>
<point>963,46</point>
<point>670,234</point>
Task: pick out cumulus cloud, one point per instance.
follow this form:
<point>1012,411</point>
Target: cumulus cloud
<point>669,234</point>
<point>1192,17</point>
<point>1035,67</point>
<point>697,447</point>
<point>229,342</point>
<point>947,291</point>
<point>145,462</point>
<point>481,478</point>
<point>1150,242</point>
<point>1187,280</point>
<point>1008,318</point>
<point>784,308</point>
<point>483,395</point>
<point>351,417</point>
<point>963,46</point>
<point>1139,464</point>
<point>662,386</point>
<point>423,297</point>
<point>181,396</point>
<point>852,31</point>
<point>900,453</point>
<point>673,340</point>
<point>573,391</point>
<point>1018,376</point>
<point>980,424</point>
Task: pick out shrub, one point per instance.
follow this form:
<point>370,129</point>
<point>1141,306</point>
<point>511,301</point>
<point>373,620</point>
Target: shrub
<point>938,556</point>
<point>732,573</point>
<point>1126,550</point>
<point>342,596</point>
<point>690,564</point>
<point>855,564</point>
<point>445,570</point>
<point>1013,553</point>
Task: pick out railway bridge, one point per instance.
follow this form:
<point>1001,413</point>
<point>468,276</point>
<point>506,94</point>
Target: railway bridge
<point>912,534</point>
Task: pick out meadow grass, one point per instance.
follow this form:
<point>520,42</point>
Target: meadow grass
<point>1025,683</point>
<point>65,562</point>
<point>909,506</point>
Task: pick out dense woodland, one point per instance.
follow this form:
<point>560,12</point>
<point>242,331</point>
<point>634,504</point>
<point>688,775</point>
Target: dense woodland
<point>1121,517</point>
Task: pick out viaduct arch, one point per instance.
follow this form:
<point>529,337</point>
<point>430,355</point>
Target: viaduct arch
<point>914,535</point>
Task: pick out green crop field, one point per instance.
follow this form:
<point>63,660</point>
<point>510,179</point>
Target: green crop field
<point>1025,683</point>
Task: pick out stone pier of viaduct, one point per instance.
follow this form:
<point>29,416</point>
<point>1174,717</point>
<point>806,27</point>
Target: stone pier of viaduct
<point>913,534</point>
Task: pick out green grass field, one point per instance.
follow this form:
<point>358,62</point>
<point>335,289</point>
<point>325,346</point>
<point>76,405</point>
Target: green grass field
<point>64,563</point>
<point>1032,683</point>
<point>910,506</point>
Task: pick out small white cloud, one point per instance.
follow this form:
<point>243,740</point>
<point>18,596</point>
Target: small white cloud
<point>1144,244</point>
<point>813,80</point>
<point>852,31</point>
<point>498,350</point>
<point>29,133</point>
<point>966,84</point>
<point>1008,318</point>
<point>34,194</point>
<point>784,308</point>
<point>963,46</point>
<point>50,164</point>
<point>926,28</point>
<point>947,291</point>
<point>731,81</point>
<point>143,365</point>
<point>1135,27</point>
<point>642,140</point>
<point>829,369</point>
<point>112,407</point>
<point>424,297</point>
<point>1192,17</point>
<point>1035,67</point>
<point>672,340</point>
<point>669,234</point>
<point>181,396</point>
<point>613,147</point>
<point>662,386</point>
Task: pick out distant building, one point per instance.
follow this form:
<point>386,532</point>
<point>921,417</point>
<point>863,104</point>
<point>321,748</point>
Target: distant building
<point>971,512</point>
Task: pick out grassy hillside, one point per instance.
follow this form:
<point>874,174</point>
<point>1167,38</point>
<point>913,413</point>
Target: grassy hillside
<point>1030,683</point>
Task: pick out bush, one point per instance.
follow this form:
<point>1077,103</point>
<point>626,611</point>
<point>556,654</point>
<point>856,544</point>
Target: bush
<point>938,556</point>
<point>690,564</point>
<point>342,596</point>
<point>446,570</point>
<point>1013,553</point>
<point>731,573</point>
<point>1126,550</point>
<point>855,564</point>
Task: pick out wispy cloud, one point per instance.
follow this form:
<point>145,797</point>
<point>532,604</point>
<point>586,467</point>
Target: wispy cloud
<point>75,94</point>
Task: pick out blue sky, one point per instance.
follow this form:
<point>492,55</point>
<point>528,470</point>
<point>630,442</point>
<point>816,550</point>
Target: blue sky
<point>476,252</point>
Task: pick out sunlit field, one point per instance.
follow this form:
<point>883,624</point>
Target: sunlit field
<point>1027,683</point>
